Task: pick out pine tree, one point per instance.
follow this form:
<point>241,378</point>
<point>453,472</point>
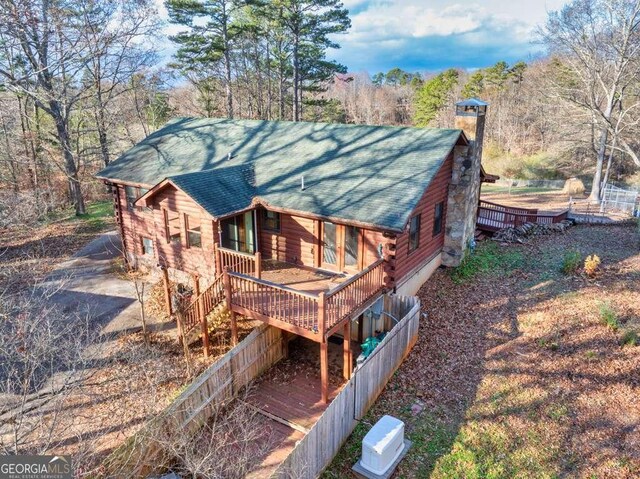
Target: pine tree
<point>207,42</point>
<point>433,96</point>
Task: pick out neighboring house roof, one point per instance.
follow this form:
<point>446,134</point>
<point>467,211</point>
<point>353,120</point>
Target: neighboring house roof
<point>372,175</point>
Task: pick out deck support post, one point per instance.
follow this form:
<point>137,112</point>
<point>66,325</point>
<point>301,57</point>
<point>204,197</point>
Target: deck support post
<point>218,258</point>
<point>227,293</point>
<point>346,356</point>
<point>167,289</point>
<point>324,348</point>
<point>285,344</point>
<point>258,257</point>
<point>204,330</point>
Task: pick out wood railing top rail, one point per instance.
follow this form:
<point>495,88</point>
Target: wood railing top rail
<point>354,278</point>
<point>272,285</point>
<point>236,253</point>
<point>508,208</point>
<point>527,215</point>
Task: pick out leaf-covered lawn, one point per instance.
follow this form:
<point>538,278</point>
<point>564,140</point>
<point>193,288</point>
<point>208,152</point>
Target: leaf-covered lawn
<point>519,370</point>
<point>29,252</point>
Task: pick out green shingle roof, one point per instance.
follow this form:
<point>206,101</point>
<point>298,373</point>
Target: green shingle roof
<point>373,175</point>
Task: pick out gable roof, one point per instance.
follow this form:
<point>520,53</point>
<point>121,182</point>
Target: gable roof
<point>372,175</point>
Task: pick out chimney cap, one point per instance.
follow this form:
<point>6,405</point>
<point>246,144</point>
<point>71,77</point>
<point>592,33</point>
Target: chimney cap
<point>472,102</point>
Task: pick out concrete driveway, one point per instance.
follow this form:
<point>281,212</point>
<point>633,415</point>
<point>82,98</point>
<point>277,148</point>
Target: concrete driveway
<point>87,284</point>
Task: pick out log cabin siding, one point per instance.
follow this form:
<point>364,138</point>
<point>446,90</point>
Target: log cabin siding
<point>135,224</point>
<point>139,222</point>
<point>295,243</point>
<point>178,255</point>
<point>429,245</point>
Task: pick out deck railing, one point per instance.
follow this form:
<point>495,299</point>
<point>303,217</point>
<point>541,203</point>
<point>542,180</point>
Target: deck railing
<point>310,312</point>
<point>274,301</point>
<point>494,217</point>
<point>203,305</point>
<point>239,262</point>
<point>345,298</point>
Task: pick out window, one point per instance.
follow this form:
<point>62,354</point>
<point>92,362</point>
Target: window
<point>437,218</point>
<point>172,226</point>
<point>131,192</point>
<point>271,220</point>
<point>194,231</point>
<point>141,193</point>
<point>414,233</point>
<point>147,246</point>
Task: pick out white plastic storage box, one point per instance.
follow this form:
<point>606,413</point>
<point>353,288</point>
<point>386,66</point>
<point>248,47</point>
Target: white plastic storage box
<point>382,445</point>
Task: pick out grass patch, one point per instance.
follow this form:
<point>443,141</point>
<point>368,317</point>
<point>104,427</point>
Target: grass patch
<point>608,316</point>
<point>98,216</point>
<point>629,338</point>
<point>488,258</point>
<point>517,191</point>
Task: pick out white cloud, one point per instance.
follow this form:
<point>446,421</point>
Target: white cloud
<point>440,34</point>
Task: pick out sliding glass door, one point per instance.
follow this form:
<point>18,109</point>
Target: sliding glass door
<point>238,233</point>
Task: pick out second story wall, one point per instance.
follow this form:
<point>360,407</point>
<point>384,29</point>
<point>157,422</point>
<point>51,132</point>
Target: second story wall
<point>180,254</point>
<point>429,244</point>
<point>143,224</point>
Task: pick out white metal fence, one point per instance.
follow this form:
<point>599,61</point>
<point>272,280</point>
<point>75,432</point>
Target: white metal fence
<point>615,198</point>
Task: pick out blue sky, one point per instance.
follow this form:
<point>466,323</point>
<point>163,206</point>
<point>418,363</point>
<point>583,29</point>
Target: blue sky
<point>432,35</point>
<point>423,35</point>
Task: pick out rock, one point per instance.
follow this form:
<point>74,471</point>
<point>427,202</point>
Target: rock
<point>519,234</point>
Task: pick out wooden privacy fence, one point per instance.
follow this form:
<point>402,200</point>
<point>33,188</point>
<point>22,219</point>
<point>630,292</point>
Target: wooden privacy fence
<point>214,388</point>
<point>317,449</point>
<point>494,217</point>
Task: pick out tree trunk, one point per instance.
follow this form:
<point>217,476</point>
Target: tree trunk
<point>597,177</point>
<point>227,61</point>
<point>296,79</point>
<point>71,170</point>
<point>609,162</point>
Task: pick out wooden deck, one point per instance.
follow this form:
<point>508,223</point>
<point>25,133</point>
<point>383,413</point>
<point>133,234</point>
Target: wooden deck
<point>494,217</point>
<point>288,397</point>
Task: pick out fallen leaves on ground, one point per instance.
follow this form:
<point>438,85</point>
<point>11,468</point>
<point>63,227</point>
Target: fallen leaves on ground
<point>515,373</point>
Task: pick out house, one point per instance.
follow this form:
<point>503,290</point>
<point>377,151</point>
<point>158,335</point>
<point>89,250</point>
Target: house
<point>370,209</point>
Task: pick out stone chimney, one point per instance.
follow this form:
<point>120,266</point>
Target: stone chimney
<point>464,187</point>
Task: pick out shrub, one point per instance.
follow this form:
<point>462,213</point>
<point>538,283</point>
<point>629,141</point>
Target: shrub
<point>608,316</point>
<point>591,265</point>
<point>571,262</point>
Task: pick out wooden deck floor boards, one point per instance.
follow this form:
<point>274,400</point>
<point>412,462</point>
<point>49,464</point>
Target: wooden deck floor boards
<point>292,394</point>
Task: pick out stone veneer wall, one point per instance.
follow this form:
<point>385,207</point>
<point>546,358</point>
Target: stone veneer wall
<point>462,204</point>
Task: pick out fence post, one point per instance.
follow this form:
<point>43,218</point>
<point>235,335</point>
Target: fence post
<point>228,297</point>
<point>258,264</point>
<point>167,289</point>
<point>324,347</point>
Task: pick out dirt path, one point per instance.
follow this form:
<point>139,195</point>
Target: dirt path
<point>521,370</point>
